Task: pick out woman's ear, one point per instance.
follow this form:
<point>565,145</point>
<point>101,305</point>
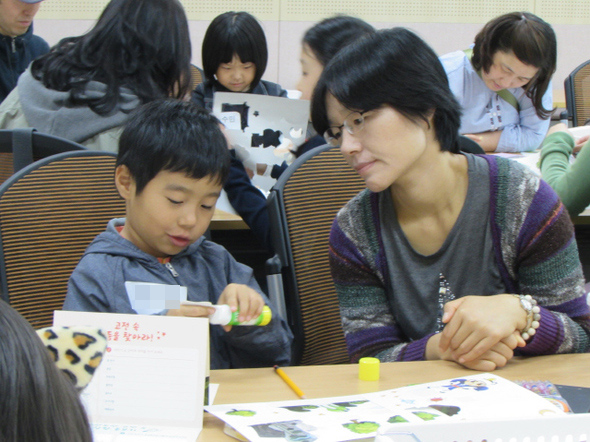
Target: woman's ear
<point>124,182</point>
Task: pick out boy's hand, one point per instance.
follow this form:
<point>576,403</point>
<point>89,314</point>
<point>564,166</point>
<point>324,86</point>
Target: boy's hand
<point>243,298</point>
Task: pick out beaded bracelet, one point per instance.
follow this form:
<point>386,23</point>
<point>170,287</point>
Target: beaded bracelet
<point>533,315</point>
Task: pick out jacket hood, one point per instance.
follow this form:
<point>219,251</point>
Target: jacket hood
<point>52,111</point>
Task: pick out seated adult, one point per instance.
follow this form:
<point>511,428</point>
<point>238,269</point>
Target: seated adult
<point>320,43</point>
<point>571,181</point>
<point>18,45</point>
<point>85,87</point>
<point>504,83</point>
<point>446,255</point>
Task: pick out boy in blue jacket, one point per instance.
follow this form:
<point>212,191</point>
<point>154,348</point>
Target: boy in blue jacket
<point>173,160</point>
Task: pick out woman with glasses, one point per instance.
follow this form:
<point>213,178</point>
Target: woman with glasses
<point>445,255</point>
<point>503,83</point>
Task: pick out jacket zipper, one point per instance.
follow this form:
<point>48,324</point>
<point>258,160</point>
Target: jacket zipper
<point>13,43</point>
<point>171,269</point>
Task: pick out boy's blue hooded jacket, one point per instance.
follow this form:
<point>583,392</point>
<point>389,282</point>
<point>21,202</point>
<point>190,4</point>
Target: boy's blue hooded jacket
<point>205,268</point>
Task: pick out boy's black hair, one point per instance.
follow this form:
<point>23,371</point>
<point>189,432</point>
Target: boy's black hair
<point>173,135</point>
<point>532,41</point>
<point>234,33</point>
<point>392,67</point>
<point>330,35</point>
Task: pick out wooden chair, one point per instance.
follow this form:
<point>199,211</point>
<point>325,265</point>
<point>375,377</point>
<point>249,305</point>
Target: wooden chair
<point>302,206</point>
<point>49,212</point>
<point>21,147</point>
<point>577,94</point>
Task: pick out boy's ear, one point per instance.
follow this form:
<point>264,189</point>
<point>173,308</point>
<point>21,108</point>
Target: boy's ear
<point>124,182</point>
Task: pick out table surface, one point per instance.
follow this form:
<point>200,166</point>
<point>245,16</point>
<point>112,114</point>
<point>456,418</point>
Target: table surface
<point>223,220</point>
<point>262,384</point>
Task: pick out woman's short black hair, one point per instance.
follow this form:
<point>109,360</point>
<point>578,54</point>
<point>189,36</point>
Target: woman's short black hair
<point>39,402</point>
<point>391,67</point>
<point>234,33</point>
<point>330,35</point>
<point>173,135</point>
<point>142,45</point>
<point>532,41</point>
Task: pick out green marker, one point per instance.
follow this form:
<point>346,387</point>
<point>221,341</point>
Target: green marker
<point>224,316</point>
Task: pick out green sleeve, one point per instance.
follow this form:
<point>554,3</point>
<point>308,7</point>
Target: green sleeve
<point>570,181</point>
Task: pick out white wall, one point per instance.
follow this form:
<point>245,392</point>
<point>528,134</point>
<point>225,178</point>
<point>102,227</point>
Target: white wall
<point>284,38</point>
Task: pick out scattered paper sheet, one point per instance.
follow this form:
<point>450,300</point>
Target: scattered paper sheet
<point>361,416</point>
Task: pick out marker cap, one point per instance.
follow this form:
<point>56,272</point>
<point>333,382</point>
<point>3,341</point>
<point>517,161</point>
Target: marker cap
<point>369,369</point>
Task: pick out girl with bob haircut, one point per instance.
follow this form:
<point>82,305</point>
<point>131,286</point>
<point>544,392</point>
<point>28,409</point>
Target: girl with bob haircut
<point>39,403</point>
<point>434,259</point>
<point>85,87</point>
<point>234,56</point>
<point>504,82</point>
<point>320,43</point>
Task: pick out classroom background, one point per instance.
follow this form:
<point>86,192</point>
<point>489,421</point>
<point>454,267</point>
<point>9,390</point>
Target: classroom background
<point>447,25</point>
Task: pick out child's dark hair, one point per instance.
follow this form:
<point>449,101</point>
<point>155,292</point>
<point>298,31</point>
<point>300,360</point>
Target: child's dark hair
<point>396,68</point>
<point>173,135</point>
<point>39,402</point>
<point>532,41</point>
<point>234,33</point>
<point>330,35</point>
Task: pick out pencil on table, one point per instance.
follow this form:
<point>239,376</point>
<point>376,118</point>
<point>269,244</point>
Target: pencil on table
<point>289,382</point>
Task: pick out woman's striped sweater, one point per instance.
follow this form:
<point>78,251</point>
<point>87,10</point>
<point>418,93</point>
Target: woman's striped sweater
<point>534,244</point>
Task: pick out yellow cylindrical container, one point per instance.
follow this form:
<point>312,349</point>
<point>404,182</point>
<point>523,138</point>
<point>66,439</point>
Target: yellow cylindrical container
<point>369,369</point>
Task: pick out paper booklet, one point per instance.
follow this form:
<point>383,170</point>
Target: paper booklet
<point>476,397</point>
<point>151,382</point>
<point>263,130</point>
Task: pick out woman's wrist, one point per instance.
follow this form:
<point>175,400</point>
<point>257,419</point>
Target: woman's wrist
<point>432,350</point>
<point>533,315</point>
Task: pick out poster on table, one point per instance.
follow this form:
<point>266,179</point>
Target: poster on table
<point>470,398</point>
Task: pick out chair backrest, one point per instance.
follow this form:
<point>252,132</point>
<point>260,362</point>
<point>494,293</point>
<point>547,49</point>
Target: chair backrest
<point>196,76</point>
<point>49,212</point>
<point>302,206</point>
<point>577,94</point>
<point>21,147</point>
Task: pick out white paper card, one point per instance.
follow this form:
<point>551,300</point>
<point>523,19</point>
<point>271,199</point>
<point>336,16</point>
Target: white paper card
<point>152,377</point>
<point>148,298</point>
<point>264,130</point>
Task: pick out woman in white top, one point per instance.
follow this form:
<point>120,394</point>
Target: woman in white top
<point>504,83</point>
